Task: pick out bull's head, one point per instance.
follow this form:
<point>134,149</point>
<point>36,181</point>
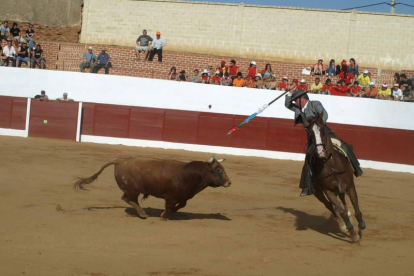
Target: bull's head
<point>220,178</point>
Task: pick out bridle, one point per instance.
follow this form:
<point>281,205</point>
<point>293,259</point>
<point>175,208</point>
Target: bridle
<point>323,143</point>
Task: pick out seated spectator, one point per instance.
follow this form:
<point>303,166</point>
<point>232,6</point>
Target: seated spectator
<point>2,57</point>
<point>316,88</point>
<point>37,58</point>
<point>405,90</point>
<point>364,79</point>
<point>4,31</point>
<point>205,76</point>
<point>267,73</point>
<point>102,61</point>
<point>239,81</point>
<point>353,67</point>
<point>294,85</point>
<point>318,68</point>
<point>327,88</point>
<point>216,78</point>
<point>42,97</point>
<point>30,31</point>
<point>384,93</point>
<point>283,85</point>
<point>172,75</point>
<point>22,54</point>
<point>210,69</point>
<point>259,82</point>
<point>405,80</point>
<point>182,76</point>
<point>64,98</point>
<point>371,91</point>
<point>88,60</point>
<point>302,85</point>
<point>341,90</point>
<point>196,77</point>
<point>223,68</point>
<point>356,90</point>
<point>157,44</point>
<point>252,70</point>
<point>331,69</point>
<point>233,69</point>
<point>397,78</point>
<point>408,96</point>
<point>225,80</point>
<point>397,94</point>
<point>30,40</point>
<point>9,53</point>
<point>15,33</point>
<point>344,75</point>
<point>143,43</point>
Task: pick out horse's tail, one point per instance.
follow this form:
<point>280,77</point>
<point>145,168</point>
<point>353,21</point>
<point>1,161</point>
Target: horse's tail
<point>79,185</point>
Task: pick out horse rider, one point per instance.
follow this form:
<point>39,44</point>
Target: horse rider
<point>299,103</point>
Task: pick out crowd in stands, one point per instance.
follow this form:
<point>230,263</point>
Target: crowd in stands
<point>44,98</point>
<point>20,48</point>
<point>341,79</point>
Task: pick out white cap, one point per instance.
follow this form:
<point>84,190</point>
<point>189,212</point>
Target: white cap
<point>253,62</point>
<point>320,59</point>
<point>205,71</point>
<point>385,85</point>
<point>302,81</point>
<point>284,78</point>
<point>90,48</point>
<point>396,85</point>
<point>365,71</point>
<point>258,75</point>
<point>371,83</point>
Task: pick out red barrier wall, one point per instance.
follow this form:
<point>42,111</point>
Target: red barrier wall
<point>53,119</point>
<point>271,134</point>
<point>13,112</point>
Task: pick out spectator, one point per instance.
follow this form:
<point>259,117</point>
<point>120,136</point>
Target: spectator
<point>196,77</point>
<point>172,75</point>
<point>2,57</point>
<point>88,60</point>
<point>223,68</point>
<point>342,89</point>
<point>405,90</point>
<point>397,78</point>
<point>239,81</point>
<point>4,31</point>
<point>267,73</point>
<point>258,82</point>
<point>353,67</point>
<point>405,80</point>
<point>371,91</point>
<point>15,33</point>
<point>182,76</point>
<point>9,54</point>
<point>252,70</point>
<point>157,45</point>
<point>42,97</point>
<point>364,79</point>
<point>327,88</point>
<point>216,78</point>
<point>344,75</point>
<point>283,85</point>
<point>205,77</point>
<point>331,69</point>
<point>316,88</point>
<point>102,61</point>
<point>356,90</point>
<point>211,70</point>
<point>143,43</point>
<point>408,96</point>
<point>38,59</point>
<point>294,85</point>
<point>233,69</point>
<point>22,54</point>
<point>64,98</point>
<point>30,31</point>
<point>302,85</point>
<point>397,94</point>
<point>318,68</point>
<point>384,93</point>
<point>225,80</point>
<point>250,82</point>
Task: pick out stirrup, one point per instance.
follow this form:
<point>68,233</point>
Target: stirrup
<point>305,192</point>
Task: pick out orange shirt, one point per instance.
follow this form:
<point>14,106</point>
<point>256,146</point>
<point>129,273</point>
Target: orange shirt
<point>371,92</point>
<point>238,82</point>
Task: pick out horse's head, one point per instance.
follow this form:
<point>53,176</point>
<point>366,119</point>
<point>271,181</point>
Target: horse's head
<point>319,136</point>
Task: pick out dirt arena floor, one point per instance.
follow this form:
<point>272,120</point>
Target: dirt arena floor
<point>258,226</point>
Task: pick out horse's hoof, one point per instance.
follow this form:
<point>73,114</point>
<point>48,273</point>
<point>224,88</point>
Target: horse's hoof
<point>142,215</point>
<point>354,237</point>
<point>362,225</point>
<point>164,216</point>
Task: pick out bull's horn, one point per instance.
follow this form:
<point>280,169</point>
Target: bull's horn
<point>211,160</point>
<point>221,160</point>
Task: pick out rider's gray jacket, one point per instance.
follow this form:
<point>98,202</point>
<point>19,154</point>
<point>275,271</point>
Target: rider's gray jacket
<point>311,109</point>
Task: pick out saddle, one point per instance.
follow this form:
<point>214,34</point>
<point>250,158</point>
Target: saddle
<point>338,147</point>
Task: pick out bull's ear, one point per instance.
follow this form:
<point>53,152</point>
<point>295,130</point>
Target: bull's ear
<point>211,160</point>
<point>221,160</point>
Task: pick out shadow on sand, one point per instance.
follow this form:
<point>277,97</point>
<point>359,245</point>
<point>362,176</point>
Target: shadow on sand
<point>320,224</point>
<point>156,213</point>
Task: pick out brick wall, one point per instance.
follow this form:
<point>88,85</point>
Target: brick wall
<point>255,32</point>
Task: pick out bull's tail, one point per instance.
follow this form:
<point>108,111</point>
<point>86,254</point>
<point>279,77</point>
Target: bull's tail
<point>79,185</point>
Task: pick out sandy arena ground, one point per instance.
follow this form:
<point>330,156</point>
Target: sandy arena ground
<point>258,226</point>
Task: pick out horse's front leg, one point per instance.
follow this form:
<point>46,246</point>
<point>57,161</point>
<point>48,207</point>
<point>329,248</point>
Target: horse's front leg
<point>321,197</point>
<point>344,215</point>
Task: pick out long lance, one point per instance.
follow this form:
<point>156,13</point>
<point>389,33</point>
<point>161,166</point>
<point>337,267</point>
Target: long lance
<point>251,117</point>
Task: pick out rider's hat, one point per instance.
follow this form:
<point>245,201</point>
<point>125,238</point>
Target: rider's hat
<point>298,94</point>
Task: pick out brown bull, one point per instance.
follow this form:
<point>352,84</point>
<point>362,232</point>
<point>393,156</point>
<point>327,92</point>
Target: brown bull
<point>174,181</point>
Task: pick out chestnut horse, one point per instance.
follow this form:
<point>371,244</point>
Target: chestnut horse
<point>332,175</point>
